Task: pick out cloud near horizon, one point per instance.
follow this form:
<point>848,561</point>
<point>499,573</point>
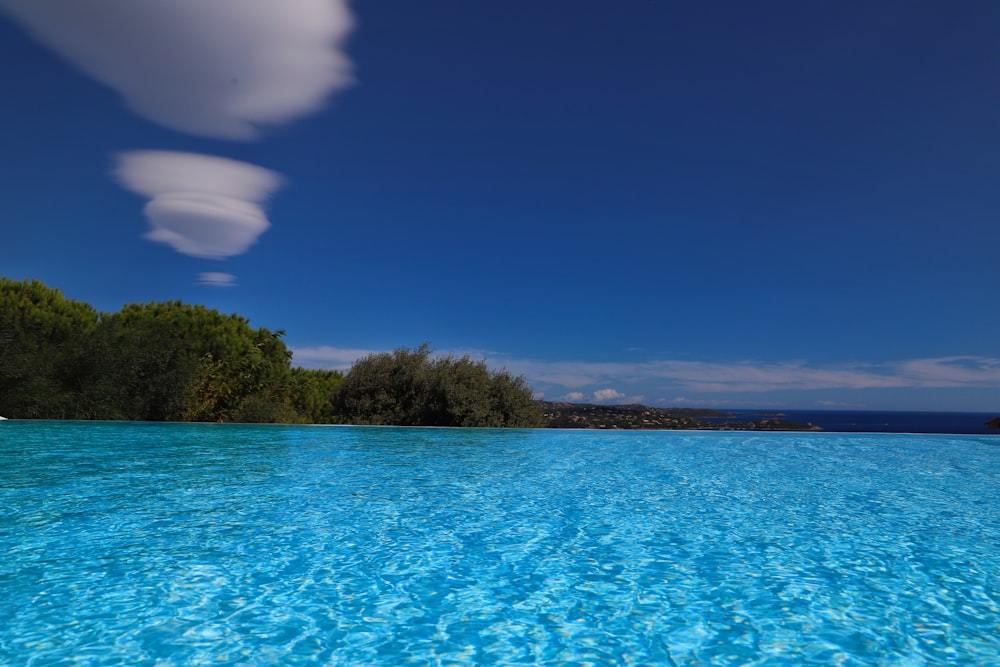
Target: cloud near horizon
<point>200,205</point>
<point>581,377</point>
<point>607,395</point>
<point>752,376</point>
<point>327,357</point>
<point>218,69</point>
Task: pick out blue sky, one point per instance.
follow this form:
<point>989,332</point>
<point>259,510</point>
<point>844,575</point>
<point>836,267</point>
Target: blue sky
<point>773,204</point>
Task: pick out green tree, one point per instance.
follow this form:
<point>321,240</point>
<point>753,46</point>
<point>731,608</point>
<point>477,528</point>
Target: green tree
<point>385,388</point>
<point>311,394</point>
<point>173,361</point>
<point>44,340</point>
<point>512,402</point>
<point>458,393</point>
<point>410,388</point>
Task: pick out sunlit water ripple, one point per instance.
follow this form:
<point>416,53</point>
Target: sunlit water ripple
<point>143,544</point>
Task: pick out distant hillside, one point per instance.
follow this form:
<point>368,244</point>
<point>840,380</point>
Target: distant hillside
<point>580,415</point>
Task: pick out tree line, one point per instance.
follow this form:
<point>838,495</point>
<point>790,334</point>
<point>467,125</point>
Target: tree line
<point>171,361</point>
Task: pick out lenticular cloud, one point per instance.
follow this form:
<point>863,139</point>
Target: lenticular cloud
<point>199,205</point>
<point>218,68</point>
<point>216,279</point>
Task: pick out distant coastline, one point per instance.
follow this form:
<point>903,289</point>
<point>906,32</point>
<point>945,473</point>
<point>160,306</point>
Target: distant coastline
<point>642,417</point>
<point>577,415</point>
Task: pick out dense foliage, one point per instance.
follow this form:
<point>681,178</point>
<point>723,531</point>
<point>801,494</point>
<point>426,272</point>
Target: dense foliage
<point>44,341</point>
<point>61,359</point>
<point>410,388</point>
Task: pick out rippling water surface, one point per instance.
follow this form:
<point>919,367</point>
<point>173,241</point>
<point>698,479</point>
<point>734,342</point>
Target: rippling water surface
<point>143,544</point>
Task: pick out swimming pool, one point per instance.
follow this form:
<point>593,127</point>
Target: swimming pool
<point>224,544</point>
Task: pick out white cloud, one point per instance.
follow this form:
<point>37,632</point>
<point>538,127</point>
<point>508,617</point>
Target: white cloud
<point>216,279</point>
<point>756,376</point>
<point>576,380</point>
<point>606,395</point>
<point>952,371</point>
<point>745,376</point>
<point>200,205</point>
<point>218,68</point>
<point>327,357</point>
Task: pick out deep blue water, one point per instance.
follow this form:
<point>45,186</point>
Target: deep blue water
<point>855,421</point>
<point>150,544</point>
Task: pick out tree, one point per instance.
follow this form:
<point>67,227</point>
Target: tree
<point>409,388</point>
<point>43,351</point>
<point>172,361</point>
<point>311,394</point>
<point>513,403</point>
<point>385,388</point>
<point>252,386</point>
<point>458,393</point>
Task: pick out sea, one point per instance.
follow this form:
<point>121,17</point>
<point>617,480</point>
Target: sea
<point>195,544</point>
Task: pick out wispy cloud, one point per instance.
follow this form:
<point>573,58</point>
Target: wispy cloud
<point>216,279</point>
<point>959,371</point>
<point>218,68</point>
<point>200,205</point>
<point>753,376</point>
<point>327,357</point>
<point>839,405</point>
<point>684,400</point>
<point>582,380</point>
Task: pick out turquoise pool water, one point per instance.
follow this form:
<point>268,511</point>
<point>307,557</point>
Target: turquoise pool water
<point>147,544</point>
